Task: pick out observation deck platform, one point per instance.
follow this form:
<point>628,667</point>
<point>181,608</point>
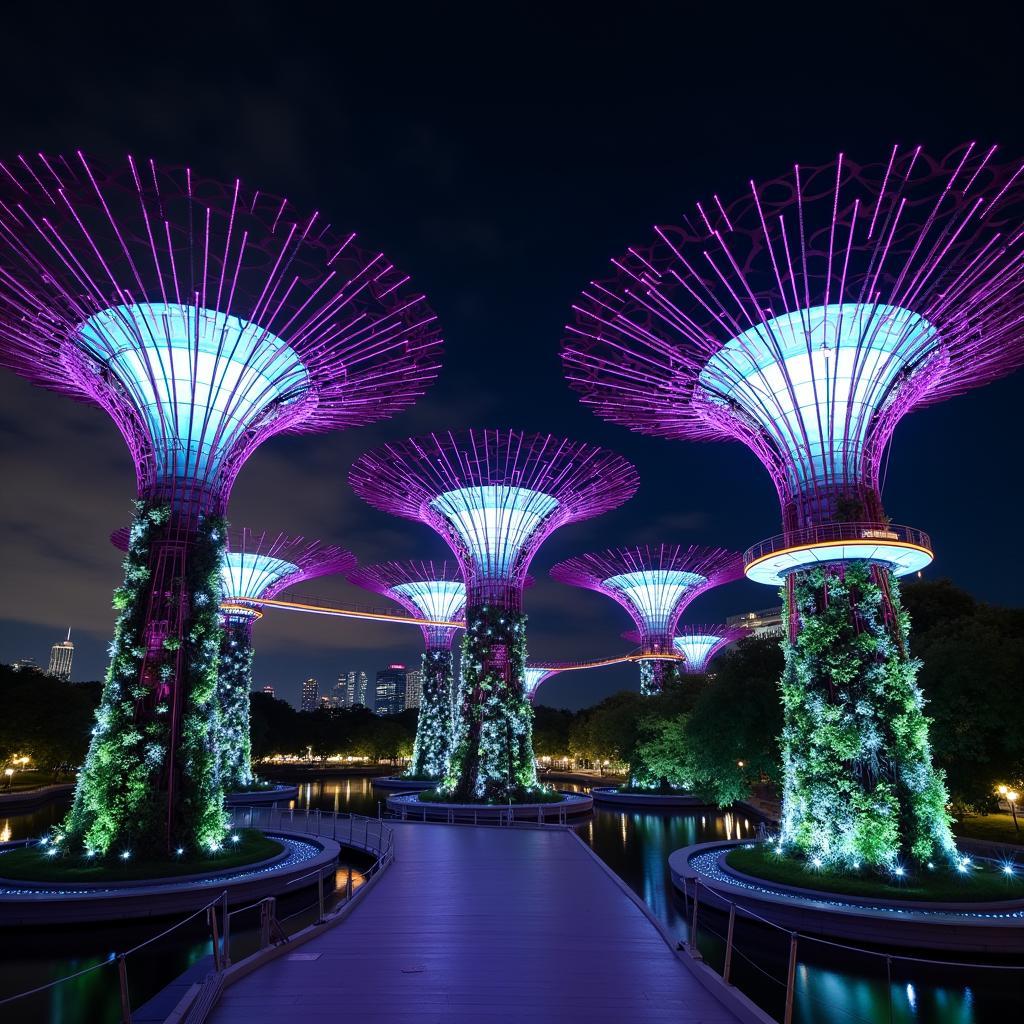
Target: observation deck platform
<point>485,926</point>
<point>902,549</point>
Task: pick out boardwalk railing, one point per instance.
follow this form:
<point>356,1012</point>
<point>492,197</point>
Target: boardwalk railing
<point>893,969</point>
<point>371,835</point>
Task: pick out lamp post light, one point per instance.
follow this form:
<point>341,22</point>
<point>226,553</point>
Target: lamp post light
<point>1010,796</point>
<point>9,773</point>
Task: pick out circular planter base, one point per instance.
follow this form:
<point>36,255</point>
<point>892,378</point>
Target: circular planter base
<point>614,795</point>
<point>270,795</point>
<point>406,785</point>
<point>409,806</point>
<point>60,903</point>
<point>996,927</point>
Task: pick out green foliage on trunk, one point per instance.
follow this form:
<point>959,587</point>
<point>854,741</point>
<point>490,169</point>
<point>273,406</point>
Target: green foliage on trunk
<point>121,800</point>
<point>434,728</point>
<point>492,746</point>
<point>234,686</point>
<point>858,780</point>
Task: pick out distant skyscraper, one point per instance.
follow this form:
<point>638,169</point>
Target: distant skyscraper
<point>268,690</point>
<point>310,695</point>
<point>326,702</point>
<point>25,665</point>
<point>351,689</point>
<point>390,690</point>
<point>61,654</point>
<point>413,687</point>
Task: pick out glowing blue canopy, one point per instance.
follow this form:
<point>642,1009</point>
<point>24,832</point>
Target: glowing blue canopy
<point>441,600</point>
<point>249,575</point>
<point>495,522</point>
<point>534,677</point>
<point>813,380</point>
<point>696,649</point>
<point>655,594</point>
<point>200,379</point>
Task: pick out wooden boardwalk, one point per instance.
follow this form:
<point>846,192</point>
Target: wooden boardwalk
<point>482,926</point>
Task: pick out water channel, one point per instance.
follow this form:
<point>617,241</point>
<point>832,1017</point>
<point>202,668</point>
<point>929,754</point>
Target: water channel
<point>834,986</point>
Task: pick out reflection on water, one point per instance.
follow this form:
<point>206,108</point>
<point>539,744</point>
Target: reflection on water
<point>834,986</point>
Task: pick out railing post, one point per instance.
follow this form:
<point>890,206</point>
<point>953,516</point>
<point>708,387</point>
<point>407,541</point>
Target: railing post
<point>888,981</point>
<point>320,894</point>
<point>727,967</point>
<point>122,978</point>
<point>266,912</point>
<point>350,830</point>
<point>226,938</point>
<point>787,1017</point>
<point>348,885</point>
<point>211,913</point>
<point>694,952</point>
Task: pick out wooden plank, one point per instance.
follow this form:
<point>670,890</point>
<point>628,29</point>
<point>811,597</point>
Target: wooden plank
<point>482,926</point>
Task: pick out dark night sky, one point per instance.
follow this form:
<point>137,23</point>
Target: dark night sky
<point>501,161</point>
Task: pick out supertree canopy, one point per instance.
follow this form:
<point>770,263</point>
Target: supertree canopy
<point>805,320</point>
<point>534,675</point>
<point>700,644</point>
<point>432,591</point>
<point>493,496</point>
<point>204,318</point>
<point>655,584</point>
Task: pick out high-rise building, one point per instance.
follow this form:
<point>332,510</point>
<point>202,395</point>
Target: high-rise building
<point>326,702</point>
<point>390,690</point>
<point>767,622</point>
<point>413,687</point>
<point>310,695</point>
<point>25,665</point>
<point>268,690</point>
<point>351,689</point>
<point>61,654</point>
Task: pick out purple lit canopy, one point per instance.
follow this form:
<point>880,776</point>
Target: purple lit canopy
<point>654,583</point>
<point>203,317</point>
<point>494,496</point>
<point>811,314</point>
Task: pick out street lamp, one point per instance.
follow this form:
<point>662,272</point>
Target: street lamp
<point>1010,796</point>
<point>9,772</point>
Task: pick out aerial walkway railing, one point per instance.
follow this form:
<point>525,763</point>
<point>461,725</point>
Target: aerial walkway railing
<point>896,972</point>
<point>371,835</point>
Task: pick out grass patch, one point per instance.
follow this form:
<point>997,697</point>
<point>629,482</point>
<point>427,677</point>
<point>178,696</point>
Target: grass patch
<point>996,828</point>
<point>981,881</point>
<point>32,863</point>
<point>526,796</point>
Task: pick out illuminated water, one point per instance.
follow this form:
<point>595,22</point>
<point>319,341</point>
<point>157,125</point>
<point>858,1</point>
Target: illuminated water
<point>834,986</point>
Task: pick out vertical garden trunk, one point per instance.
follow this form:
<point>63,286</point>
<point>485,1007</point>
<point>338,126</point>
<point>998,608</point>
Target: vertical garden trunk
<point>431,750</point>
<point>859,786</point>
<point>150,780</point>
<point>234,685</point>
<point>492,753</point>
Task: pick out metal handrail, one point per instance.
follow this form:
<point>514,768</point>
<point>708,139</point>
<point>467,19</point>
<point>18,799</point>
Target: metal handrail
<point>833,532</point>
<point>690,947</point>
<point>119,959</point>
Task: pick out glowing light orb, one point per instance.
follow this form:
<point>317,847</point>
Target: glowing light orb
<point>495,522</point>
<point>199,379</point>
<point>655,593</point>
<point>440,600</point>
<point>696,649</point>
<point>814,379</point>
<point>245,574</point>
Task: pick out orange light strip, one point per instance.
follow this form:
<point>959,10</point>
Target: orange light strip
<point>901,544</point>
<point>347,613</point>
<point>602,662</point>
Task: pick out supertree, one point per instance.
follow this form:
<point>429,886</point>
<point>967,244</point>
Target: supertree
<point>203,318</point>
<point>805,320</point>
<point>699,645</point>
<point>493,496</point>
<point>255,566</point>
<point>655,584</point>
<point>533,676</point>
<point>433,591</point>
